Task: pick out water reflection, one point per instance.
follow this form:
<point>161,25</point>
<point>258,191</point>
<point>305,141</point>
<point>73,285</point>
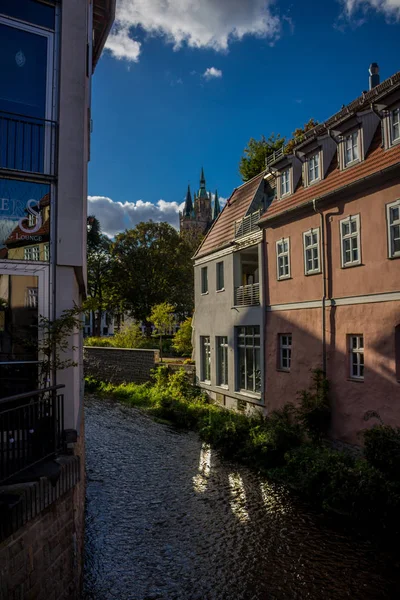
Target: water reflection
<point>152,534</point>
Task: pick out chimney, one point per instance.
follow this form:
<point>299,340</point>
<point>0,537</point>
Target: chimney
<point>374,78</point>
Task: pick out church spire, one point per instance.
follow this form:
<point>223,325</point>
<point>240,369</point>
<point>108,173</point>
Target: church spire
<point>216,207</point>
<point>188,203</point>
<point>202,191</point>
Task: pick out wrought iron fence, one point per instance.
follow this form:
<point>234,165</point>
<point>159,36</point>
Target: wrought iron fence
<point>248,224</point>
<point>31,429</point>
<point>247,295</point>
<point>27,144</point>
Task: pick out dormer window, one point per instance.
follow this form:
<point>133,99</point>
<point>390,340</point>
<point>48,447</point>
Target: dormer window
<point>395,125</point>
<point>351,149</point>
<point>285,182</point>
<point>313,168</point>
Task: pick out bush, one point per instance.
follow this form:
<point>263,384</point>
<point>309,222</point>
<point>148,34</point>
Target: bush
<point>227,431</point>
<point>100,342</point>
<point>182,341</point>
<point>314,411</point>
<point>129,337</point>
<point>382,449</point>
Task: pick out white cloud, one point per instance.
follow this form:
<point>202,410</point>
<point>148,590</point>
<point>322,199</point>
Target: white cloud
<point>122,46</point>
<point>212,73</point>
<point>118,216</point>
<point>200,24</point>
<point>391,8</point>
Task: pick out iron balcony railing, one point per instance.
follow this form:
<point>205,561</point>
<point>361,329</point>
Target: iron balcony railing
<point>27,144</point>
<point>248,224</point>
<point>31,429</point>
<point>247,295</point>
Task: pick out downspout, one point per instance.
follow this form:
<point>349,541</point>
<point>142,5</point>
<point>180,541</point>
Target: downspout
<point>323,303</point>
<point>263,274</point>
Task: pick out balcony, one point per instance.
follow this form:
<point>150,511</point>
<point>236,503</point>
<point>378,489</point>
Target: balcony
<point>31,429</point>
<point>27,144</point>
<point>248,224</point>
<point>247,295</point>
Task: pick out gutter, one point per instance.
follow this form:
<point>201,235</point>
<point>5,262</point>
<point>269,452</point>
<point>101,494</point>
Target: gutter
<point>323,300</point>
<point>329,194</point>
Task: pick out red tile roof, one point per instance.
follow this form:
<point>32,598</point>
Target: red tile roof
<point>377,159</point>
<point>222,233</point>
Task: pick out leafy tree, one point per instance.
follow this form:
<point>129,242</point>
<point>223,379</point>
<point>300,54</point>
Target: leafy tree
<point>298,134</point>
<point>182,341</point>
<point>162,317</point>
<point>151,264</point>
<point>255,154</point>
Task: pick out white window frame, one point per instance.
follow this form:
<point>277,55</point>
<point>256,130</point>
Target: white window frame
<point>285,351</point>
<point>218,267</point>
<point>285,182</point>
<point>32,297</point>
<point>356,350</point>
<point>351,136</point>
<point>311,166</point>
<point>390,228</point>
<point>46,252</point>
<point>313,246</point>
<point>283,254</point>
<point>242,343</point>
<point>221,346</point>
<point>350,236</point>
<point>34,250</point>
<point>395,113</point>
<point>204,280</point>
<point>205,359</point>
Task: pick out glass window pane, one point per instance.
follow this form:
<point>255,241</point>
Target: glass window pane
<point>353,226</point>
<point>29,11</point>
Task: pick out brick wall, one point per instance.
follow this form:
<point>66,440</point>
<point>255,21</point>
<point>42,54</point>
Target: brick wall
<point>119,365</point>
<point>40,556</point>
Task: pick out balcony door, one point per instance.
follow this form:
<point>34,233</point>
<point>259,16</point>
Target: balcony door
<point>23,300</point>
<point>26,103</point>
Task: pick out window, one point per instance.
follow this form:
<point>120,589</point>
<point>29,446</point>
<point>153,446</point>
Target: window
<point>31,298</point>
<point>393,223</point>
<point>285,351</point>
<point>395,125</point>
<point>249,372</point>
<point>285,182</point>
<point>350,241</point>
<point>47,252</point>
<point>356,356</point>
<point>351,153</point>
<point>32,253</point>
<point>282,258</point>
<point>205,358</point>
<point>313,168</point>
<point>204,280</point>
<point>220,276</point>
<point>222,361</point>
<point>311,251</point>
<point>31,220</point>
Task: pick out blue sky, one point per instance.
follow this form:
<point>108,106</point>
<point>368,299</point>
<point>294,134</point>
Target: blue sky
<point>184,84</point>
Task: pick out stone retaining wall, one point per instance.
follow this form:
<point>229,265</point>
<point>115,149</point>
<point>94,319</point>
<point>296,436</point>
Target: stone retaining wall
<point>119,365</point>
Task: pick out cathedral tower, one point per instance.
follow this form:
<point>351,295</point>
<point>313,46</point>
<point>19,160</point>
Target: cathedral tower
<point>198,215</point>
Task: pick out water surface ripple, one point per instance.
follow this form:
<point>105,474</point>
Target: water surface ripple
<point>167,519</point>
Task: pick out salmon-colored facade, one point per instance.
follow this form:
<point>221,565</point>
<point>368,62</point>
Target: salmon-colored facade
<point>344,316</point>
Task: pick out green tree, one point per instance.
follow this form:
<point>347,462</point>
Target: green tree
<point>298,134</point>
<point>162,317</point>
<point>255,154</point>
<point>182,341</point>
<point>152,265</point>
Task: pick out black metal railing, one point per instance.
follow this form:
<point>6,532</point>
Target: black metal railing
<point>31,429</point>
<point>27,144</point>
<point>247,295</point>
<point>248,224</point>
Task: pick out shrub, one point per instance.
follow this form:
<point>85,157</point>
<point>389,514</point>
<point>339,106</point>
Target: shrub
<point>129,337</point>
<point>382,449</point>
<point>227,431</point>
<point>314,410</point>
<point>100,342</point>
<point>182,340</point>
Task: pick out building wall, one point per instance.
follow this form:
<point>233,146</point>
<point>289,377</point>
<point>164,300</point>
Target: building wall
<point>355,305</point>
<point>216,315</point>
<point>119,365</point>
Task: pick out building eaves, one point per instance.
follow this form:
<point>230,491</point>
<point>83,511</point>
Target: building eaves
<point>103,18</point>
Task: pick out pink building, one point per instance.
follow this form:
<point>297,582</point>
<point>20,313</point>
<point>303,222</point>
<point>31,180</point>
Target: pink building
<point>332,248</point>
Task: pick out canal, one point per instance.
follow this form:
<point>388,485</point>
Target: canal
<point>167,519</point>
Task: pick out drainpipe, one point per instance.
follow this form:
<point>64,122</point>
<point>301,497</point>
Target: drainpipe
<point>263,275</point>
<point>323,285</point>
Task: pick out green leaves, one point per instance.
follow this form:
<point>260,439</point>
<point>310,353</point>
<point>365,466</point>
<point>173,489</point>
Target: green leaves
<point>255,154</point>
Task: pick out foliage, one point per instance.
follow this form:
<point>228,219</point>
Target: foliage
<point>314,411</point>
<point>151,265</point>
<point>98,342</point>
<point>382,449</point>
<point>255,154</point>
<point>162,317</point>
<point>130,336</point>
<point>298,134</point>
<point>182,341</point>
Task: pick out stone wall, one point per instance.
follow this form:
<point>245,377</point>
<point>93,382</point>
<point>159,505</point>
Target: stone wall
<point>119,365</point>
<point>39,555</point>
